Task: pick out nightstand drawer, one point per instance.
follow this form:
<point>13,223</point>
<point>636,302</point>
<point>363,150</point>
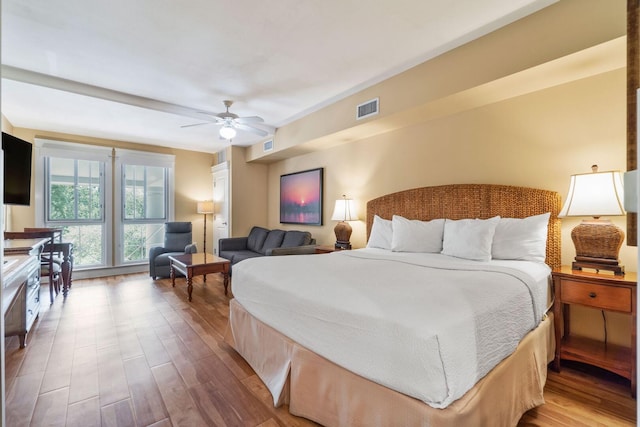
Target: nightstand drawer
<point>598,296</point>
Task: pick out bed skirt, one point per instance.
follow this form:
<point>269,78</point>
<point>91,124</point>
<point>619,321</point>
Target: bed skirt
<point>319,390</point>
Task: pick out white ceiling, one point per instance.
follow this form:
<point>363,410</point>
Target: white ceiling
<point>139,70</point>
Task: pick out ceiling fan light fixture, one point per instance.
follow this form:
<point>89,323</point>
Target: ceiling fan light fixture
<point>227,131</point>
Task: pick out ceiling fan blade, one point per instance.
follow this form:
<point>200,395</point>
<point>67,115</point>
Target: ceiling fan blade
<point>197,124</point>
<point>251,129</point>
<point>250,119</point>
<point>217,117</point>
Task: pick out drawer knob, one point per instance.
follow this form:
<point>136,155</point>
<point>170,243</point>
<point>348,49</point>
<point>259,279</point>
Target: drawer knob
<point>592,295</point>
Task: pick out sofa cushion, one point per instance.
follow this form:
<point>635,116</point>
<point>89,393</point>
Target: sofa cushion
<point>296,238</point>
<point>256,239</point>
<point>242,255</point>
<point>273,240</point>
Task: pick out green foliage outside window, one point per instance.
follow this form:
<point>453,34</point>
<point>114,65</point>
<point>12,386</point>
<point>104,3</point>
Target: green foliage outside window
<point>75,203</point>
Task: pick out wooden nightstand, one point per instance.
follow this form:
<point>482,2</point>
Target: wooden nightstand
<point>326,249</point>
<point>600,291</point>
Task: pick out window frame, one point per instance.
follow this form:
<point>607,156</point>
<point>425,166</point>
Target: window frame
<point>45,148</point>
<point>137,158</point>
<point>113,218</point>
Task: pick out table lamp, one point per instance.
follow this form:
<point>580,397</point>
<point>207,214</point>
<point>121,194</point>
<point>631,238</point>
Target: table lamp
<point>205,208</point>
<point>597,240</point>
<point>343,211</point>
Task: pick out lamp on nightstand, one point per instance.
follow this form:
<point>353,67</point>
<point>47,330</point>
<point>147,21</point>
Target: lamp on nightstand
<point>343,211</point>
<point>205,208</point>
<point>597,240</point>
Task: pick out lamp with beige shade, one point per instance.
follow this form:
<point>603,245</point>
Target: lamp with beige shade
<point>597,240</point>
<point>343,211</point>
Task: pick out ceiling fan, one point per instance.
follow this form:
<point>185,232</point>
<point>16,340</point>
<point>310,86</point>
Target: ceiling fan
<point>231,122</point>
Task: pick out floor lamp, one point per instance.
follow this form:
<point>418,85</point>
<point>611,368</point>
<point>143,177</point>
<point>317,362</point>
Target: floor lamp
<point>205,208</point>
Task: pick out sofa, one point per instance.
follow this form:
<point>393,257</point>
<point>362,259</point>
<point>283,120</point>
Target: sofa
<point>264,242</point>
<point>177,241</point>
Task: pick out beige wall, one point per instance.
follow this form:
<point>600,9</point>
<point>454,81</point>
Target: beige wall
<point>248,185</point>
<point>6,126</point>
<point>193,180</point>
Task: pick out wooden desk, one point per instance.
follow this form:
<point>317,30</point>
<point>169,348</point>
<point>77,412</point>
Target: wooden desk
<point>196,264</point>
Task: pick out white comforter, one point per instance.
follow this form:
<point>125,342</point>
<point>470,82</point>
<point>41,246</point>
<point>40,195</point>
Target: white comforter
<point>426,325</point>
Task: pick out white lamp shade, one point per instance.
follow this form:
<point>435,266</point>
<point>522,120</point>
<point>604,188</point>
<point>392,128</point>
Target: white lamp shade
<point>344,210</point>
<point>227,132</point>
<point>594,194</point>
<point>205,207</point>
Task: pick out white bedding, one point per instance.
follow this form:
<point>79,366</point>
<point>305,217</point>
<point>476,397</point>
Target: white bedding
<point>426,325</point>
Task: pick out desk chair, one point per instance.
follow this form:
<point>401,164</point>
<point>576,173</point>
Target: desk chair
<point>63,254</point>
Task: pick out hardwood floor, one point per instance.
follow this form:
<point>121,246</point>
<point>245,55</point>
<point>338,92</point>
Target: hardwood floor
<point>128,351</point>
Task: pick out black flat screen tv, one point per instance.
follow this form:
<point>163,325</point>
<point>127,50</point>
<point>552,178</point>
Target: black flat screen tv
<point>17,170</point>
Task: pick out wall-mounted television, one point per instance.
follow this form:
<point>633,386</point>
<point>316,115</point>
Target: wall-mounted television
<point>17,170</point>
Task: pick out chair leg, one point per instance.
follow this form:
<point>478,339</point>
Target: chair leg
<point>54,287</point>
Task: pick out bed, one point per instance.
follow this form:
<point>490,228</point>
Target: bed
<point>283,313</point>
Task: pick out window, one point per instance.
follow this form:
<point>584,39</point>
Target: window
<point>146,188</point>
<point>75,202</point>
<point>75,191</point>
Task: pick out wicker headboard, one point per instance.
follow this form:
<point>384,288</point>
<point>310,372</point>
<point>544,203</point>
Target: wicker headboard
<point>459,201</point>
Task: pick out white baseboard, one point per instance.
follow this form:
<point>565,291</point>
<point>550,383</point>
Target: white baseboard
<point>91,273</point>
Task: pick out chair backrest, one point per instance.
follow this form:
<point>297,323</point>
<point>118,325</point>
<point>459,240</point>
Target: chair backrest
<point>177,235</point>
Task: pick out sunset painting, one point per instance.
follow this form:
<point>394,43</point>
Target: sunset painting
<point>301,197</point>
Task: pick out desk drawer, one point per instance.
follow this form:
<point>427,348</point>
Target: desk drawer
<point>32,305</point>
<point>599,296</point>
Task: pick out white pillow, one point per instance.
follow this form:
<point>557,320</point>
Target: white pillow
<point>469,238</point>
<point>412,235</point>
<point>381,232</point>
<point>521,238</point>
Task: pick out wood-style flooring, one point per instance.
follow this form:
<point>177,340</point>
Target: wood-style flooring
<point>128,351</point>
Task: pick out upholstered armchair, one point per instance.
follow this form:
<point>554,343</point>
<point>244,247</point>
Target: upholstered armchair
<point>177,241</point>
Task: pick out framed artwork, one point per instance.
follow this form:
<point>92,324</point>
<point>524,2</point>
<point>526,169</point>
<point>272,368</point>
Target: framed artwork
<point>301,197</point>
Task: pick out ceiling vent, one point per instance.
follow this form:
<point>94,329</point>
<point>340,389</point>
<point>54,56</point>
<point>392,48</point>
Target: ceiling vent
<point>267,145</point>
<point>366,109</point>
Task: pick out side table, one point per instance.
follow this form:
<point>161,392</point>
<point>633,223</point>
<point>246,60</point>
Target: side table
<point>601,291</point>
<point>326,249</point>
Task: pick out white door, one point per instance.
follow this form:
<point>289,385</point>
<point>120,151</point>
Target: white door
<point>220,203</point>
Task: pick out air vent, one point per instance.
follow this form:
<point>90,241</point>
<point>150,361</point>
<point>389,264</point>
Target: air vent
<point>221,156</point>
<point>267,145</point>
<point>366,109</point>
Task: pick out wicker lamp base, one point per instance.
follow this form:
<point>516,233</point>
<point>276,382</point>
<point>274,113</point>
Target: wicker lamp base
<point>597,245</point>
<point>343,234</point>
